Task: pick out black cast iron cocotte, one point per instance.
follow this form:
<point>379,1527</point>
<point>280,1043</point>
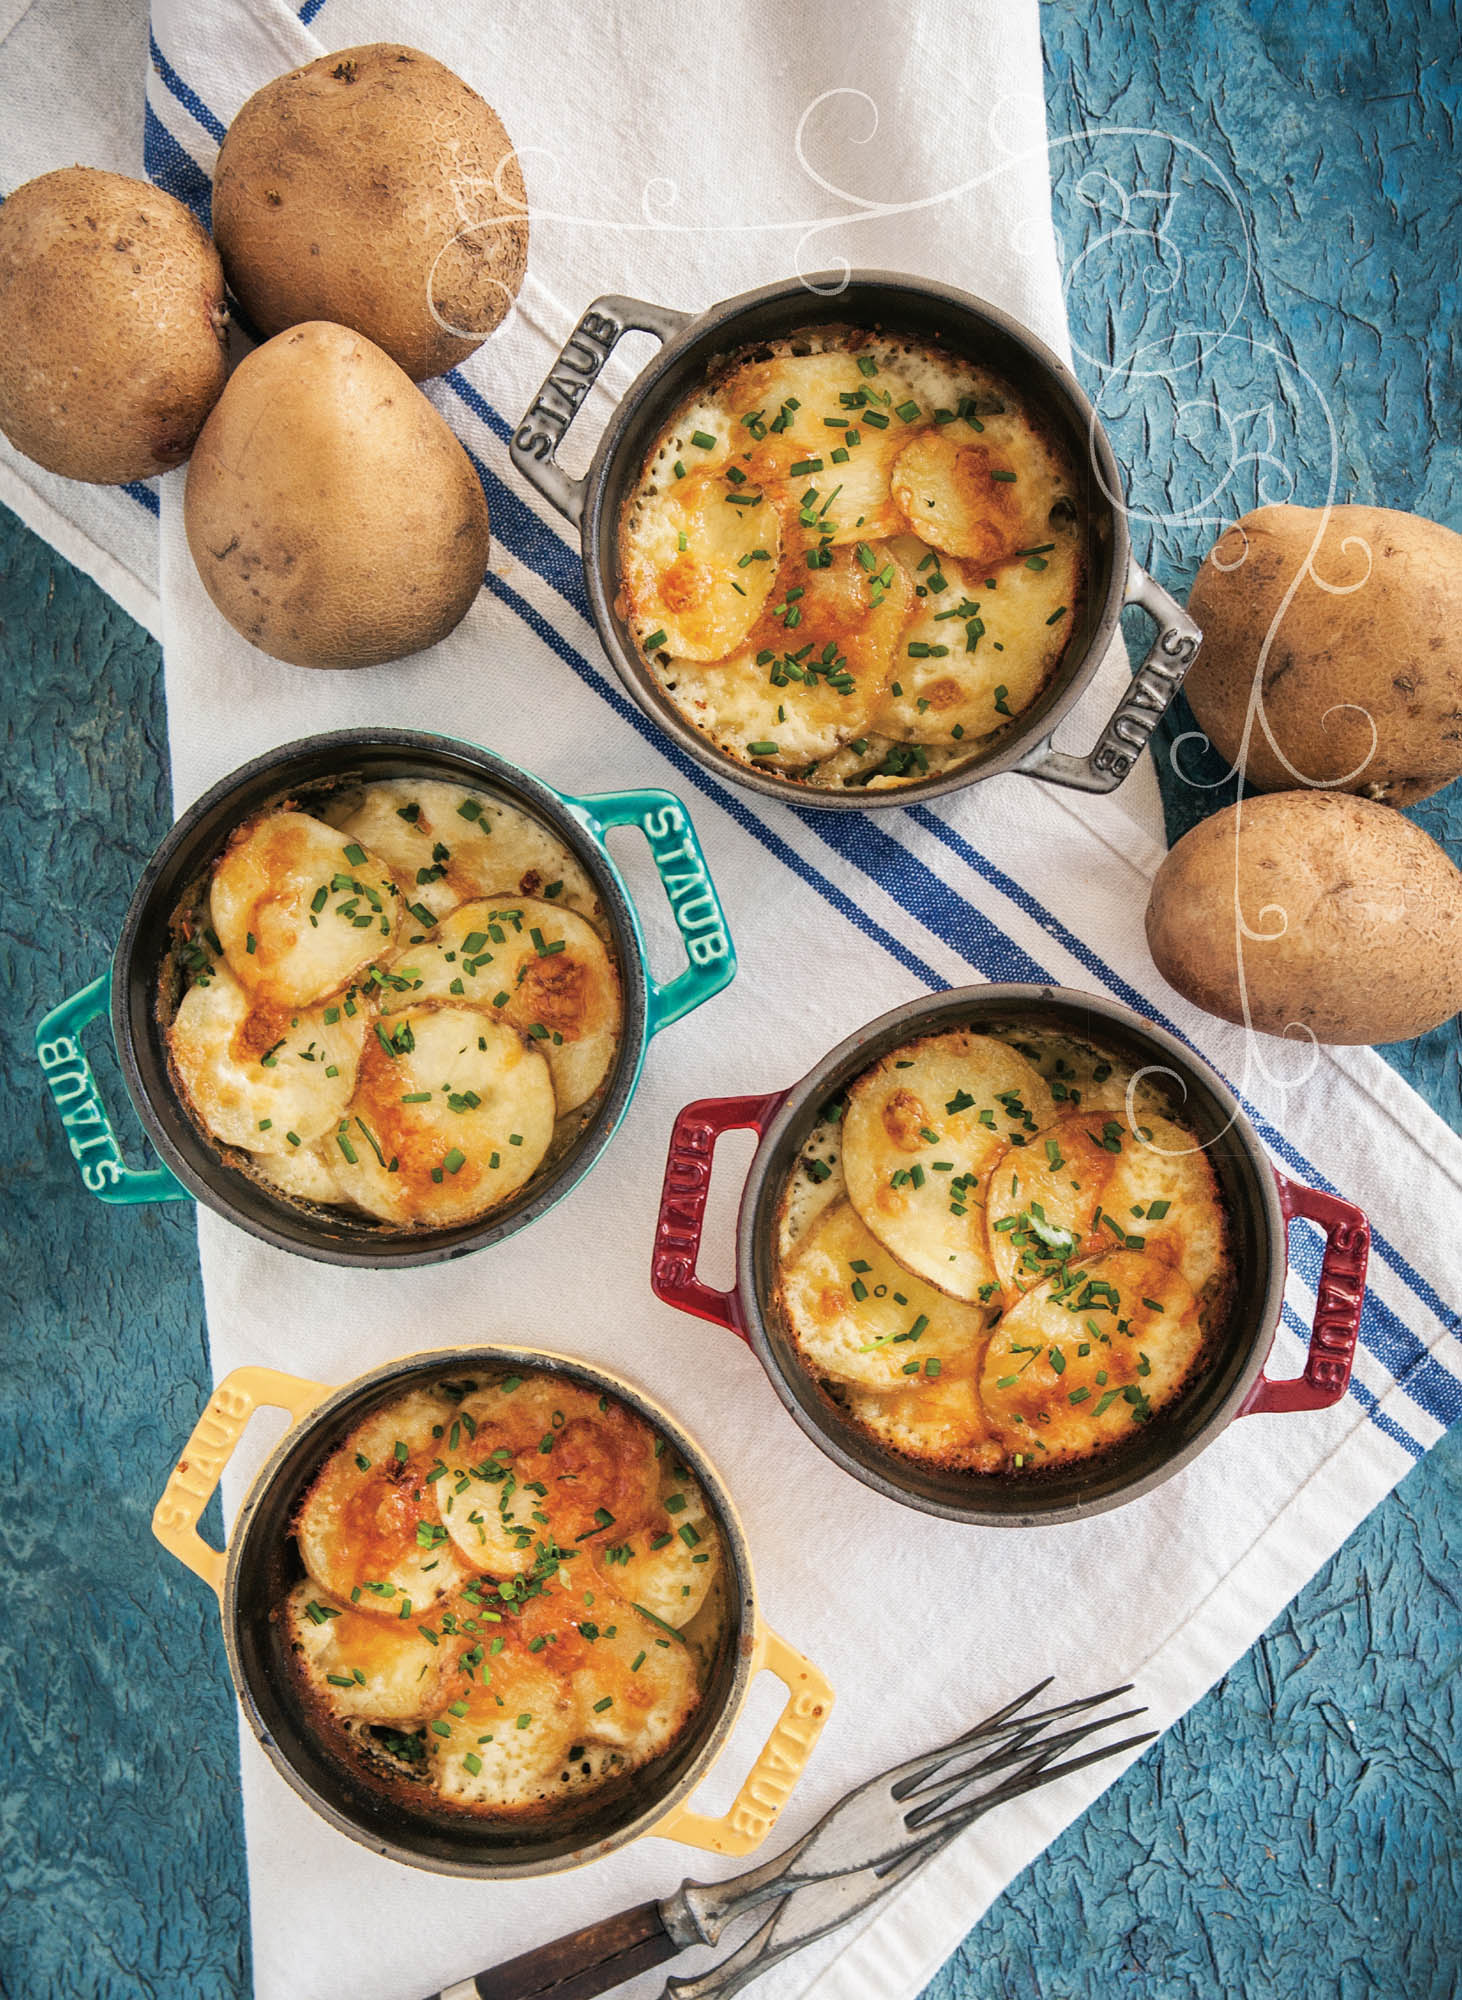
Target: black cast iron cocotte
<point>261,1565</point>
<point>896,304</point>
<point>193,1164</point>
<point>1259,1200</point>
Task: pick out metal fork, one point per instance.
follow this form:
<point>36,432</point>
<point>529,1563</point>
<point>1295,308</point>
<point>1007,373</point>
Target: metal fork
<point>859,1851</point>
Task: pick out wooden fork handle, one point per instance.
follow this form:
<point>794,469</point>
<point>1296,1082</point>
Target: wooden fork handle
<point>578,1966</point>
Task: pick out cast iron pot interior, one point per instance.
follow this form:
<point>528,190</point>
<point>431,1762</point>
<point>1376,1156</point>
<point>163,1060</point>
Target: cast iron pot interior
<point>1176,1434</point>
<point>264,1565</point>
<point>345,757</point>
<point>961,325</point>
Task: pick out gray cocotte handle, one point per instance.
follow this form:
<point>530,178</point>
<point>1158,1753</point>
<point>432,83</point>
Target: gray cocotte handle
<point>1144,702</point>
<point>569,381</point>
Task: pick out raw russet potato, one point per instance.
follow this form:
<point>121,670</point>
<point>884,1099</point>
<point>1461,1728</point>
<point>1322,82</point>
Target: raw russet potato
<point>368,188</point>
<point>334,518</point>
<point>1391,647</point>
<point>1370,948</point>
<point>112,326</point>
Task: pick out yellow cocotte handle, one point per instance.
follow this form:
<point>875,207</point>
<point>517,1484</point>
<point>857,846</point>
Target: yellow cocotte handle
<point>208,1451</point>
<point>773,1778</point>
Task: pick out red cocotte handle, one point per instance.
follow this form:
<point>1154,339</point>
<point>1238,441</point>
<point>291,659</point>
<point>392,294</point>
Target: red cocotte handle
<point>1339,1297</point>
<point>683,1203</point>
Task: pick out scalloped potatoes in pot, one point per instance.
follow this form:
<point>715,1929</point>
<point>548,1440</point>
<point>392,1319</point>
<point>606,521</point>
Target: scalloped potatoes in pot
<point>853,559</point>
<point>1002,1249</point>
<point>398,1000</point>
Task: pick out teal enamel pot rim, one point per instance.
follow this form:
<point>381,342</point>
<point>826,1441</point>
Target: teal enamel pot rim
<point>193,1164</point>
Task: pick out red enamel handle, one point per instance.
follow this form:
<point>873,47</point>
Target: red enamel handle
<point>683,1203</point>
<point>1339,1297</point>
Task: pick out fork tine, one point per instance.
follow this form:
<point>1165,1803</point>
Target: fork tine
<point>905,1777</point>
<point>1007,1721</point>
<point>1026,1750</point>
<point>1037,1772</point>
<point>920,1772</point>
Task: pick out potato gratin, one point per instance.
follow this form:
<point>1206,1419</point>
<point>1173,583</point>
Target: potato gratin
<point>1001,1250</point>
<point>513,1594</point>
<point>404,1005</point>
<point>852,560</point>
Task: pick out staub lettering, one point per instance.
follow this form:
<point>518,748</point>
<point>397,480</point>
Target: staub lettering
<point>572,376</point>
<point>1338,1301</point>
<point>200,1468</point>
<point>71,1084</point>
<point>778,1768</point>
<point>692,902</point>
<point>1155,683</point>
<point>687,1183</point>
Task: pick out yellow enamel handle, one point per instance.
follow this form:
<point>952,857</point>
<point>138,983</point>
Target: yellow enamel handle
<point>773,1777</point>
<point>215,1436</point>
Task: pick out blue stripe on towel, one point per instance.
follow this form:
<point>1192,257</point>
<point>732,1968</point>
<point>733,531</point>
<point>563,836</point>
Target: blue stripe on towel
<point>177,173</point>
<point>184,93</point>
<point>547,553</point>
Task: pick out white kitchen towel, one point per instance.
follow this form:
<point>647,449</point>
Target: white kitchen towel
<point>683,155</point>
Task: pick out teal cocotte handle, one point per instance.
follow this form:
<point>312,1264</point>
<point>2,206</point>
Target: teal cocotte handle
<point>694,904</point>
<point>88,1128</point>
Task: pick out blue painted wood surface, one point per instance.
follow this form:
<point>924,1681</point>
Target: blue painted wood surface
<point>1297,1833</point>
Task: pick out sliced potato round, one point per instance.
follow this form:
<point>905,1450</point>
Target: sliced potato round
<point>671,1580</point>
<point>982,493</point>
<point>362,1667</point>
<point>368,1529</point>
<point>773,702</point>
<point>543,969</point>
<point>305,1174</point>
<point>922,1129</point>
<point>1090,1183</point>
<point>700,557</point>
<point>462,1107</point>
<point>806,393</point>
<point>448,843</point>
<point>1066,1374</point>
<point>942,1421</point>
<point>507,1749</point>
<point>597,1460</point>
<point>299,910</point>
<point>972,658</point>
<point>858,1315</point>
<point>633,1691</point>
<point>258,1076</point>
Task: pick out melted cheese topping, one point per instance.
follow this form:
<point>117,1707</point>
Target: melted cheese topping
<point>299,911</point>
<point>814,668</point>
<point>448,845</point>
<point>838,440</point>
<point>1070,1370</point>
<point>368,1530</point>
<point>543,970</point>
<point>920,1133</point>
<point>1108,1185</point>
<point>1140,1244</point>
<point>699,566</point>
<point>264,1078</point>
<point>588,1640</point>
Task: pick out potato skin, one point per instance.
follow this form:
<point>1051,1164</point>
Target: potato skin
<point>334,518</point>
<point>113,329</point>
<point>1372,947</point>
<point>361,189</point>
<point>1391,647</point>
